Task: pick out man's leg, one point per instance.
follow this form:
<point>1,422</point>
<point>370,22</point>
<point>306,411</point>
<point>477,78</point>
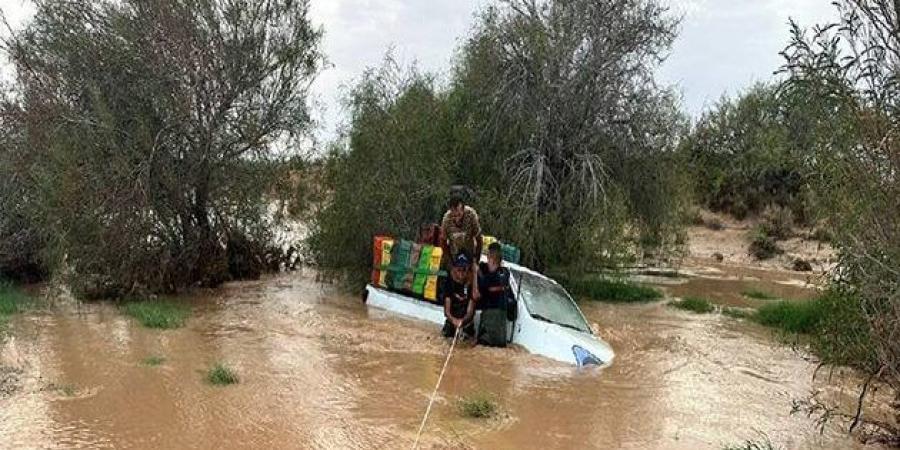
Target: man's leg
<point>449,330</point>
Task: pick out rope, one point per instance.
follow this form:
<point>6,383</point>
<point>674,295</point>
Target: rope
<point>434,392</point>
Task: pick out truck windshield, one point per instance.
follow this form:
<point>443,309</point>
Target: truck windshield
<point>549,302</point>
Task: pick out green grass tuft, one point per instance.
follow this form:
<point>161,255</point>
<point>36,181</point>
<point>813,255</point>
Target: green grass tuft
<point>738,313</point>
<point>222,375</point>
<point>801,317</point>
<point>157,313</point>
<point>758,295</point>
<point>610,290</point>
<point>12,300</point>
<point>694,305</point>
<point>153,361</point>
<point>478,406</point>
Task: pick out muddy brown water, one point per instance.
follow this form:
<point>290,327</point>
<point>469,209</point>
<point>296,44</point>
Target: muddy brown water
<point>319,370</point>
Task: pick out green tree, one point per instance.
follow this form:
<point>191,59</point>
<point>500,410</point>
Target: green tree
<point>391,172</point>
<point>571,124</point>
<point>150,129</point>
<point>751,152</point>
<point>551,117</point>
<point>851,67</point>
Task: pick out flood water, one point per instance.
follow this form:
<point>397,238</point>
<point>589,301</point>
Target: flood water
<point>319,370</point>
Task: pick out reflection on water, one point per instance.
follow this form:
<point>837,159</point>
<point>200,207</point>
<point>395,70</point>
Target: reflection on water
<point>318,370</point>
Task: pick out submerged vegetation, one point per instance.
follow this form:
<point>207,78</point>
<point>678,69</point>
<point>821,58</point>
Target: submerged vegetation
<point>163,314</point>
<point>478,406</point>
<point>694,305</point>
<point>221,375</point>
<point>153,361</point>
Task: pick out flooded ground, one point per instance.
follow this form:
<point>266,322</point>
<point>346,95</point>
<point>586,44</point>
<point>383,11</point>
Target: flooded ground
<point>319,370</point>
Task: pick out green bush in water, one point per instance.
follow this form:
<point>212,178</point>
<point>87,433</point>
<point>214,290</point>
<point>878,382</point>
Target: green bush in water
<point>222,375</point>
<point>694,305</point>
<point>791,316</point>
<point>160,314</point>
<point>478,406</point>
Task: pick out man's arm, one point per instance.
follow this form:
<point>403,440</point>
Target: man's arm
<point>447,308</point>
<point>470,311</point>
<point>479,242</point>
<point>476,293</point>
<point>442,235</point>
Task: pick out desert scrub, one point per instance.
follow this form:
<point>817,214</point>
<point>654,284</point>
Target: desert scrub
<point>777,222</point>
<point>221,375</point>
<point>162,314</point>
<point>694,305</point>
<point>478,406</point>
<point>763,246</point>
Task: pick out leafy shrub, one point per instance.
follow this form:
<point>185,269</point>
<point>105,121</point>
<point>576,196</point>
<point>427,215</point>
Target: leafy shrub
<point>844,337</point>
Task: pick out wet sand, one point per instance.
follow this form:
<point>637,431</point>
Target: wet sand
<point>319,370</point>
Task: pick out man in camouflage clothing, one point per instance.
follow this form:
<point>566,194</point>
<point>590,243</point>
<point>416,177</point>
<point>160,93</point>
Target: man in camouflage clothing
<point>462,233</point>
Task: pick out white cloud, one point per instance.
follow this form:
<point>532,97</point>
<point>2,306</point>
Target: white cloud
<point>724,46</point>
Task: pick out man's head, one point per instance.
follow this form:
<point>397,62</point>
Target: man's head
<point>495,254</point>
<point>456,205</point>
<point>460,267</point>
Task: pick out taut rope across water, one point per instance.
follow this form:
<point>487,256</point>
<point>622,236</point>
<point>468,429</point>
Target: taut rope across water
<point>434,392</point>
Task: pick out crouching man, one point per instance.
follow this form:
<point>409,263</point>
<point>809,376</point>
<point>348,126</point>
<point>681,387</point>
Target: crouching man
<point>459,306</point>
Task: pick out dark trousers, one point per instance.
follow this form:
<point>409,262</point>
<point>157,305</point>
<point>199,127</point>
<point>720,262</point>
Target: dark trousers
<point>467,329</point>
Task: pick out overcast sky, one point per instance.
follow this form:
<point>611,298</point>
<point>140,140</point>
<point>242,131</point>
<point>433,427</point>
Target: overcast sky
<point>724,45</point>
